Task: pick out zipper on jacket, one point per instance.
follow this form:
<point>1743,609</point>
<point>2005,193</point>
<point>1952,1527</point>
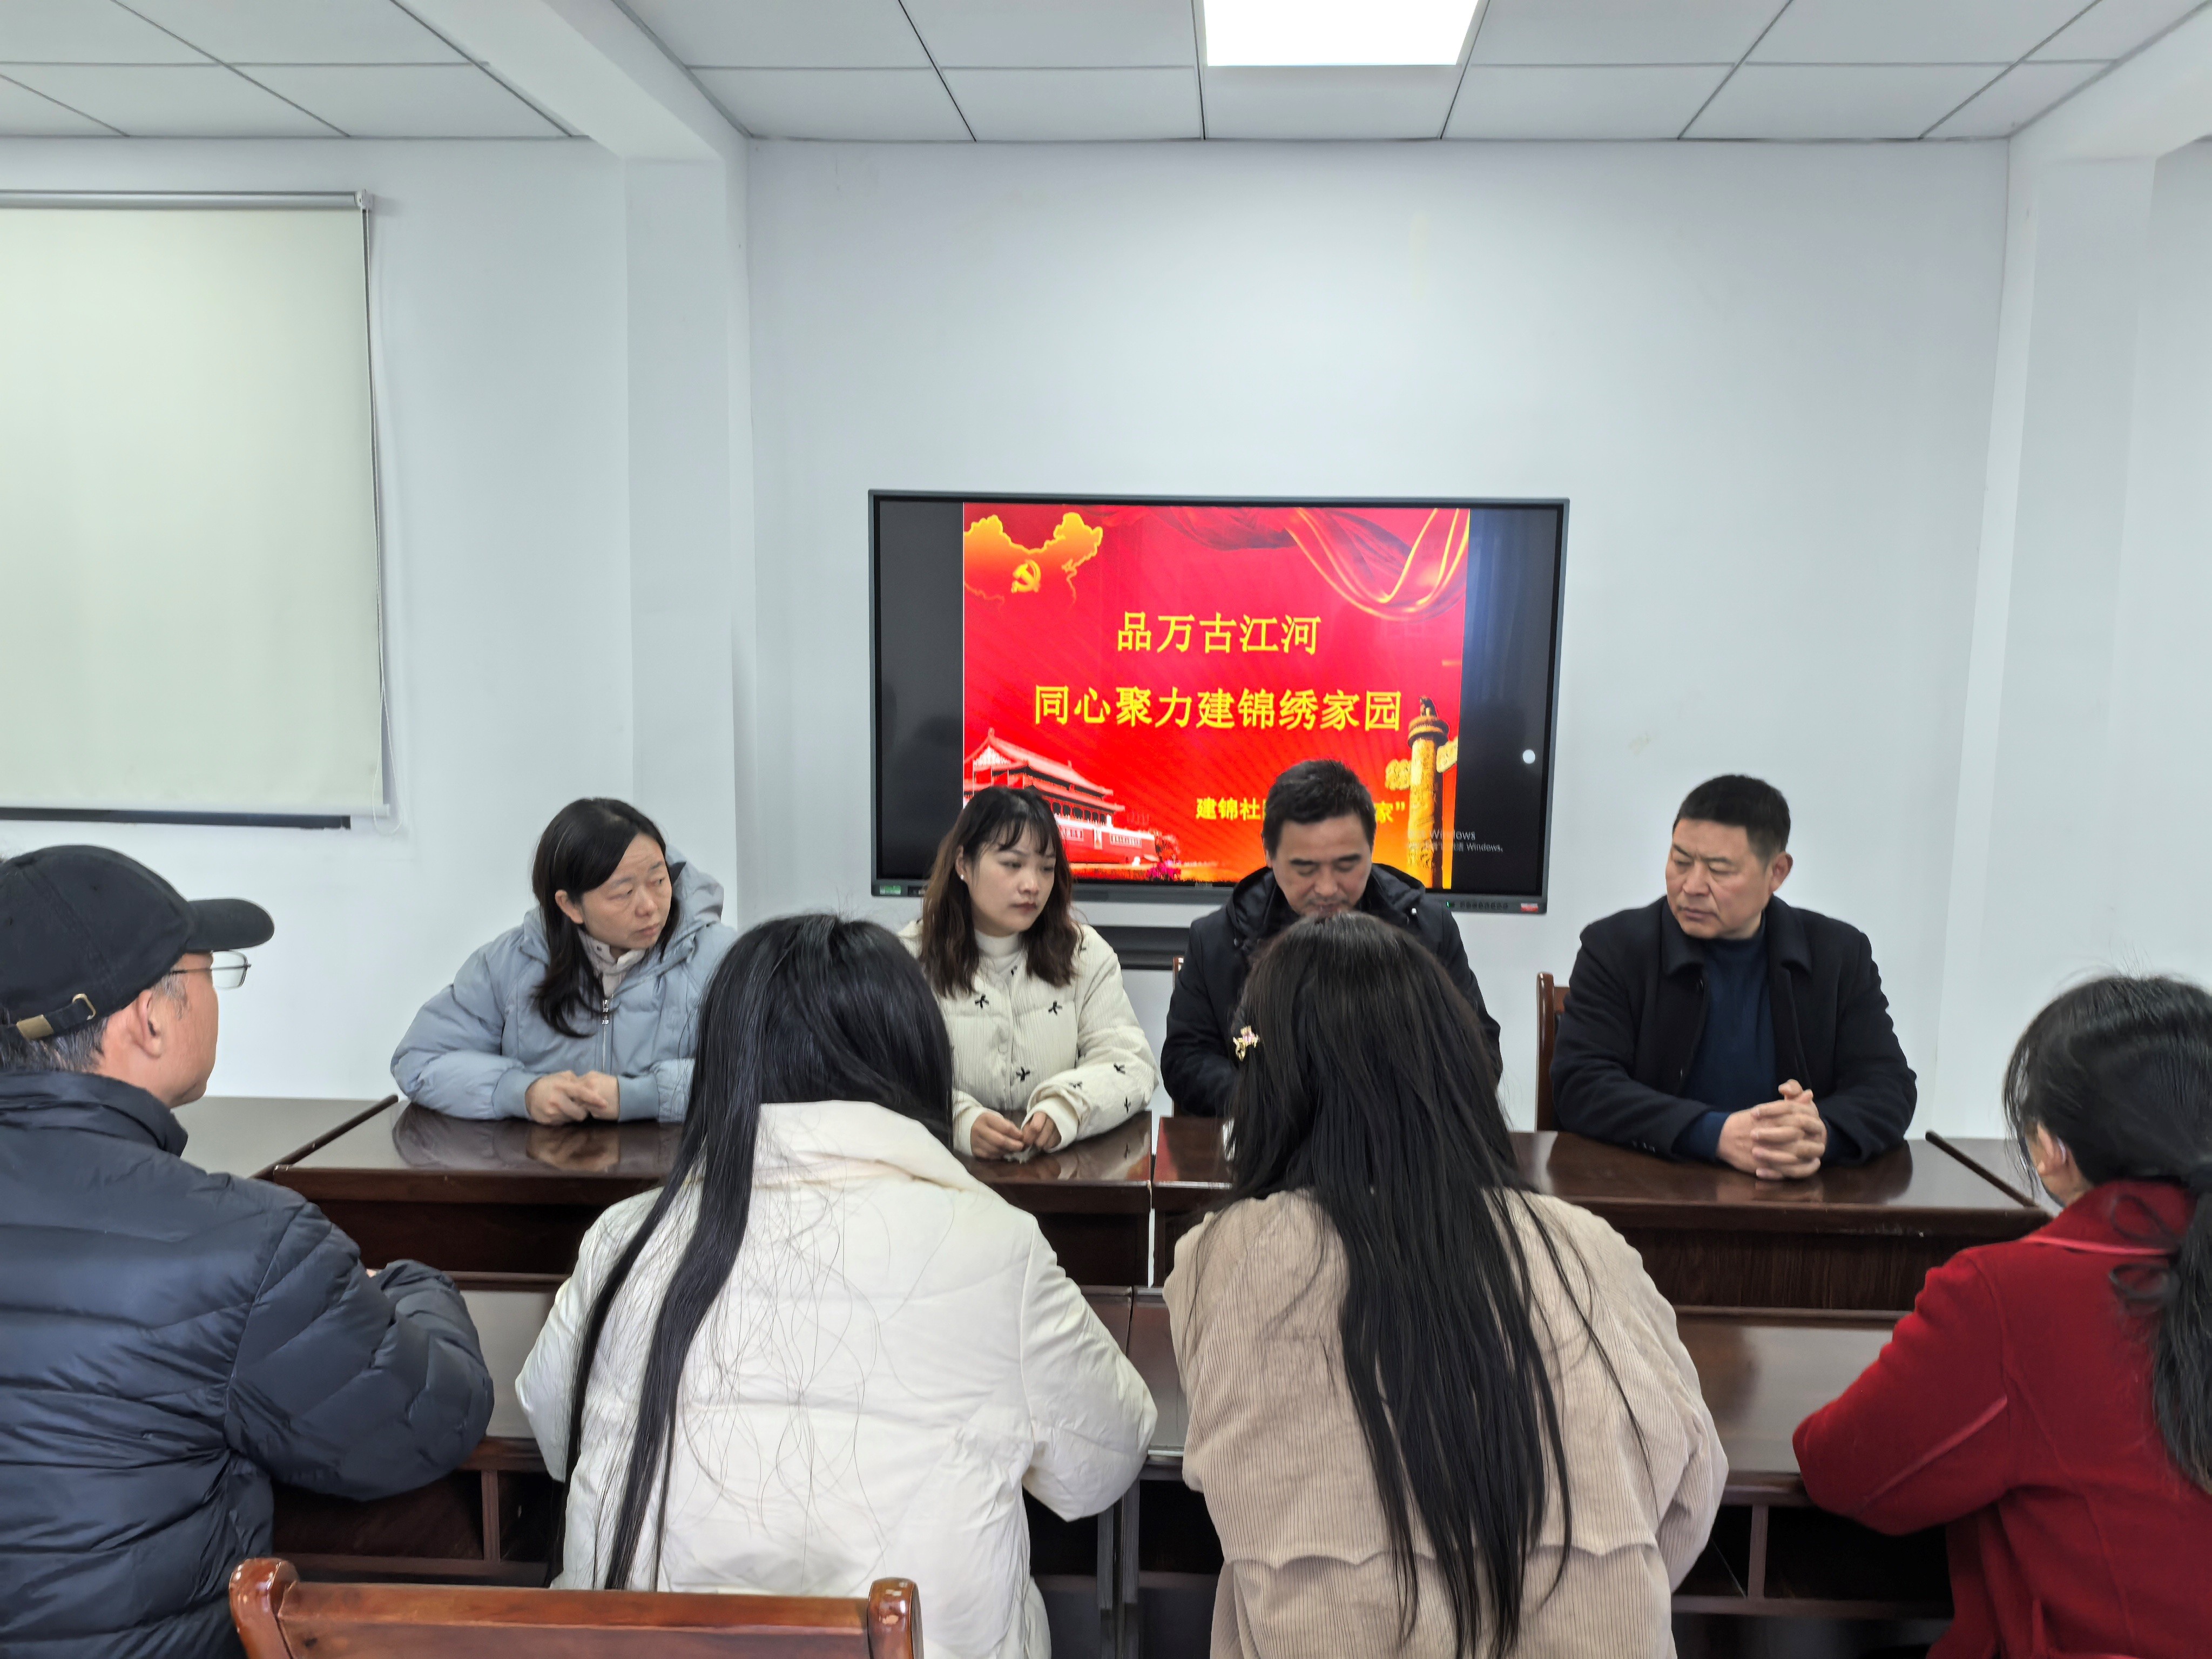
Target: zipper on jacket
<point>606,1032</point>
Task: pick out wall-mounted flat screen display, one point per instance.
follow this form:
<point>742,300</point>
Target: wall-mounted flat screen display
<point>1150,666</point>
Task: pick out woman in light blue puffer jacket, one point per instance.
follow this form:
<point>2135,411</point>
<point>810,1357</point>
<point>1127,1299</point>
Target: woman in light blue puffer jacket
<point>589,1008</point>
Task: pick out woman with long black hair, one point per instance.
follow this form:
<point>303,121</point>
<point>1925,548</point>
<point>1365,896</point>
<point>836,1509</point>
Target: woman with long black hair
<point>1046,1048</point>
<point>824,1353</point>
<point>587,1009</point>
<point>2050,1400</point>
<point>1433,1412</point>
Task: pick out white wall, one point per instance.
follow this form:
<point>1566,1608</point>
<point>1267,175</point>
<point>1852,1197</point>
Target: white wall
<point>2157,889</point>
<point>2090,699</point>
<point>498,272</point>
<point>1761,374</point>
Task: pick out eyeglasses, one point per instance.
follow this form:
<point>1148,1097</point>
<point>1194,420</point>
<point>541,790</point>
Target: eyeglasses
<point>226,973</point>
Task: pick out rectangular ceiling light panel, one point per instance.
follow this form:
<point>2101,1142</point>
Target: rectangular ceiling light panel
<point>1322,33</point>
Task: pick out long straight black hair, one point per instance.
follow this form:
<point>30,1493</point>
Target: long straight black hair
<point>579,851</point>
<point>803,1008</point>
<point>2120,1070</point>
<point>1371,1089</point>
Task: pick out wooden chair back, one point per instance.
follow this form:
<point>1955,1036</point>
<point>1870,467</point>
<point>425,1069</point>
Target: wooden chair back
<point>1550,1001</point>
<point>279,1617</point>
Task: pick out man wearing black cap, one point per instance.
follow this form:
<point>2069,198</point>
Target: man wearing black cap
<point>173,1340</point>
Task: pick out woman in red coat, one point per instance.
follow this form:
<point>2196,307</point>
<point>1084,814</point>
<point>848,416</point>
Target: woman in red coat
<point>2051,1398</point>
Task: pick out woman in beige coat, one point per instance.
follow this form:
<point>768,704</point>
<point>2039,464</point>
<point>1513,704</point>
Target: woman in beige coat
<point>1046,1048</point>
<point>1433,1412</point>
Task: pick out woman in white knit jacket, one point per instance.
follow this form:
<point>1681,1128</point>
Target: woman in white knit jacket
<point>1046,1048</point>
<point>824,1353</point>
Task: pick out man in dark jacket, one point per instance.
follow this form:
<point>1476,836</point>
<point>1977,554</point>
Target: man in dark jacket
<point>1319,834</point>
<point>173,1340</point>
<point>1720,1023</point>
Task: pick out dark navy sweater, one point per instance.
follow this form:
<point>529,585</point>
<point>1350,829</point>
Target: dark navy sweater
<point>1734,1067</point>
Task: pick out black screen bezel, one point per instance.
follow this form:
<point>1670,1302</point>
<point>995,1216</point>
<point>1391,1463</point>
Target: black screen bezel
<point>1209,893</point>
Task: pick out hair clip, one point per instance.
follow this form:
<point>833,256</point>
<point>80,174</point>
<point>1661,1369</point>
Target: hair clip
<point>1245,1041</point>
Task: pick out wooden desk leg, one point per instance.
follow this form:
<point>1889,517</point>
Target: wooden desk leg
<point>493,1553</point>
<point>1131,1612</point>
<point>1109,1598</point>
<point>1754,1573</point>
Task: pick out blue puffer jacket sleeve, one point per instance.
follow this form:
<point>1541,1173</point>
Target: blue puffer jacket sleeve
<point>454,1056</point>
<point>477,1047</point>
<point>350,1385</point>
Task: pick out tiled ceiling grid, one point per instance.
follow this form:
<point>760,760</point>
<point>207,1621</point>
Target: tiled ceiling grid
<point>1046,70</point>
<point>247,69</point>
<point>1090,70</point>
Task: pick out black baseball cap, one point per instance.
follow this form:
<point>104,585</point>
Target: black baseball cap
<point>84,930</point>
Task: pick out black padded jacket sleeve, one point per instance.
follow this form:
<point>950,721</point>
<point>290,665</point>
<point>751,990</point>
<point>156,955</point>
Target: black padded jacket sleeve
<point>1451,952</point>
<point>1870,1105</point>
<point>1195,1058</point>
<point>353,1386</point>
<point>1595,1092</point>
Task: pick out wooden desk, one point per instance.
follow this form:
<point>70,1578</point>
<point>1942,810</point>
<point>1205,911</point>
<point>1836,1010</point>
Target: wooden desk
<point>1093,1200</point>
<point>1845,1238</point>
<point>1859,1238</point>
<point>249,1135</point>
<point>476,1196</point>
<point>505,1196</point>
<point>1771,1553</point>
<point>492,1520</point>
<point>1190,1170</point>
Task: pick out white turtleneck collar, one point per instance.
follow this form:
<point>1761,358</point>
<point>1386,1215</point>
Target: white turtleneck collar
<point>1000,950</point>
<point>612,966</point>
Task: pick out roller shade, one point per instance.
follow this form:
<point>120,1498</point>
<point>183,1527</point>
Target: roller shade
<point>188,536</point>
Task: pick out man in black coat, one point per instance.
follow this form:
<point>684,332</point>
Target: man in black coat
<point>1319,834</point>
<point>1722,1024</point>
<point>173,1341</point>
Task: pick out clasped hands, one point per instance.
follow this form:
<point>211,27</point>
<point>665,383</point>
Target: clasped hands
<point>565,1097</point>
<point>1781,1140</point>
<point>992,1135</point>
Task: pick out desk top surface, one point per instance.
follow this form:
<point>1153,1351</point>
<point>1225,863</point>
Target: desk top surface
<point>247,1134</point>
<point>1115,1168</point>
<point>1918,1177</point>
<point>1762,1373</point>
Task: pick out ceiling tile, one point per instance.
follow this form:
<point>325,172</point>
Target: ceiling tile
<point>2014,99</point>
<point>84,32</point>
<point>1644,101</point>
<point>166,102</point>
<point>300,31</point>
<point>1328,103</point>
<point>1016,105</point>
<point>785,33</point>
<point>25,114</point>
<point>879,106</point>
<point>1911,31</point>
<point>1619,31</point>
<point>2114,28</point>
<point>1057,33</point>
<point>407,101</point>
<point>1835,100</point>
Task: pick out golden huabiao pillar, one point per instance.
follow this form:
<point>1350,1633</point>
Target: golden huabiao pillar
<point>1424,810</point>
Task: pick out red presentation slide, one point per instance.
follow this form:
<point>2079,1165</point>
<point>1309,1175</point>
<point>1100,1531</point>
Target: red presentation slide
<point>1151,669</point>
